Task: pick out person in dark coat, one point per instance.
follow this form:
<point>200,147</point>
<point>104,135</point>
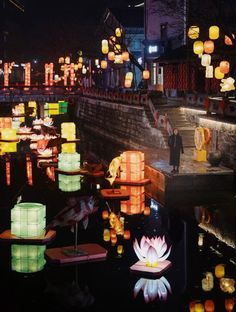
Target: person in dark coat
<point>176,146</point>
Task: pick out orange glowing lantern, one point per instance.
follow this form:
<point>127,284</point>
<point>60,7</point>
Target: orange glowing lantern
<point>111,56</point>
<point>61,60</point>
<point>218,73</point>
<point>127,234</point>
<point>6,75</point>
<point>29,170</point>
<point>113,240</point>
<point>209,46</point>
<point>112,233</point>
<point>27,74</point>
<point>135,204</point>
<point>192,306</point>
<point>103,64</point>
<point>5,122</point>
<point>214,32</point>
<point>229,304</point>
<point>132,166</point>
<point>219,270</point>
<point>146,74</point>
<point>228,40</point>
<point>209,306</point>
<point>128,83</point>
<point>67,60</point>
<point>125,56</point>
<point>224,67</point>
<point>80,65</point>
<point>147,211</point>
<point>105,214</point>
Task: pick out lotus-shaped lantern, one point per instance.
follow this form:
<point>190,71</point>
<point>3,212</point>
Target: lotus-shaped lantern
<point>152,254</point>
<point>153,289</point>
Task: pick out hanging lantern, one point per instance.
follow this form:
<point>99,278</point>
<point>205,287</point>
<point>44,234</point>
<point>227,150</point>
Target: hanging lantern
<point>219,270</point>
<point>209,46</point>
<point>228,40</point>
<point>206,60</point>
<point>80,59</point>
<point>193,32</point>
<point>209,72</point>
<point>198,47</point>
<point>224,67</point>
<point>103,64</point>
<point>28,220</point>
<point>120,249</point>
<point>218,73</point>
<point>129,76</point>
<point>229,304</point>
<point>61,60</point>
<point>208,282</point>
<point>146,74</point>
<point>125,56</point>
<point>105,47</point>
<point>209,306</point>
<point>111,56</point>
<point>118,59</point>
<point>80,65</point>
<point>118,32</point>
<point>214,32</point>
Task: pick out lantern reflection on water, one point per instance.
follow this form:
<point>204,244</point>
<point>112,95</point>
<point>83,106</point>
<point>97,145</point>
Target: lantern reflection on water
<point>27,258</point>
<point>28,220</point>
<point>135,205</point>
<point>69,183</point>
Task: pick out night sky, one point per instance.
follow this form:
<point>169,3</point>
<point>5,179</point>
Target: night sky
<point>50,28</point>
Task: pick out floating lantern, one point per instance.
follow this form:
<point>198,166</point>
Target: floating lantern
<point>69,161</point>
<point>199,307</point>
<point>132,166</point>
<point>209,306</point>
<point>228,40</point>
<point>209,46</point>
<point>118,32</point>
<point>103,64</point>
<point>229,304</point>
<point>120,249</point>
<point>146,74</point>
<point>227,285</point>
<point>105,214</point>
<point>206,60</point>
<point>28,220</point>
<point>198,47</point>
<point>219,270</point>
<point>209,72</point>
<point>125,56</point>
<point>136,202</point>
<point>61,60</point>
<point>8,134</point>
<point>69,183</point>
<point>214,32</point>
<point>106,235</point>
<point>105,47</point>
<point>208,282</point>
<point>27,258</point>
<point>224,67</point>
<point>68,148</point>
<point>111,56</point>
<point>218,73</point>
<point>68,130</point>
<point>126,234</point>
<point>193,32</point>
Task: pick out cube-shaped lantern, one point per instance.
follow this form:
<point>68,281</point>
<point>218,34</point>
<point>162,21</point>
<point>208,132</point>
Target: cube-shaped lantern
<point>63,107</point>
<point>68,148</point>
<point>68,130</point>
<point>136,203</point>
<point>69,183</point>
<point>69,161</point>
<point>8,134</point>
<point>132,166</point>
<point>8,147</point>
<point>28,220</point>
<point>27,258</point>
<point>5,122</point>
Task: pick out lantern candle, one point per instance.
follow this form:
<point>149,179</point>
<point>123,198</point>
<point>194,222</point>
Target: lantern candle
<point>198,47</point>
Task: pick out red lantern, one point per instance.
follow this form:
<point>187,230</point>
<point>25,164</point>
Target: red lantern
<point>209,306</point>
<point>229,304</point>
<point>126,234</point>
<point>209,46</point>
<point>224,67</point>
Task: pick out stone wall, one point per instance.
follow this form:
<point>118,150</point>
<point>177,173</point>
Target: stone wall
<point>123,124</point>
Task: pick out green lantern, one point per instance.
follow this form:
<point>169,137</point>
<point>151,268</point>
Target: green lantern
<point>28,220</point>
<point>63,107</point>
<point>69,161</point>
<point>69,183</point>
<point>27,258</point>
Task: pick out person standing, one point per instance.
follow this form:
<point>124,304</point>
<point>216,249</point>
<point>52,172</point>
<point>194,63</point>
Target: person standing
<point>176,146</point>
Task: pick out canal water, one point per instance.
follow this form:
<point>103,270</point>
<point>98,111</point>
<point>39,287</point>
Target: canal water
<point>199,228</point>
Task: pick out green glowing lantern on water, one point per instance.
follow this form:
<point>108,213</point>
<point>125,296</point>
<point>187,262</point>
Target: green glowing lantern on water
<point>28,220</point>
<point>27,258</point>
<point>69,183</point>
<point>69,161</point>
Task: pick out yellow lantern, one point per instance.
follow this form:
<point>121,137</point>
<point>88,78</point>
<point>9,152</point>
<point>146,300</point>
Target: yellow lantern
<point>111,56</point>
<point>8,134</point>
<point>129,76</point>
<point>120,249</point>
<point>117,48</point>
<point>199,307</point>
<point>128,83</point>
<point>219,270</point>
<point>103,64</point>
<point>118,59</point>
<point>208,282</point>
<point>209,72</point>
<point>218,73</point>
<point>125,56</point>
<point>206,60</point>
<point>106,235</point>
<point>224,67</point>
<point>105,47</point>
<point>198,47</point>
<point>146,74</point>
<point>67,60</point>
<point>193,32</point>
<point>209,46</point>
<point>214,32</point>
<point>80,65</point>
<point>68,148</point>
<point>80,60</point>
<point>118,32</point>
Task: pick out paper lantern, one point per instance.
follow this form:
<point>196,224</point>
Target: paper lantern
<point>228,40</point>
<point>80,65</point>
<point>229,304</point>
<point>129,76</point>
<point>105,47</point>
<point>117,49</point>
<point>214,32</point>
<point>68,130</point>
<point>67,60</point>
<point>8,134</point>
<point>126,234</point>
<point>113,240</point>
<point>69,183</point>
<point>68,148</point>
<point>118,32</point>
<point>146,74</point>
<point>209,306</point>
<point>27,258</point>
<point>106,235</point>
<point>118,59</point>
<point>111,56</point>
<point>227,285</point>
<point>147,211</point>
<point>128,83</point>
<point>136,202</point>
<point>208,282</point>
<point>219,270</point>
<point>28,220</point>
<point>103,64</point>
<point>209,72</point>
<point>198,47</point>
<point>209,46</point>
<point>61,60</point>
<point>69,161</point>
<point>105,214</point>
<point>199,307</point>
<point>132,166</point>
<point>224,67</point>
<point>5,122</point>
<point>8,147</point>
<point>193,32</point>
<point>120,249</point>
<point>112,40</point>
<point>125,56</point>
<point>206,60</point>
<point>227,84</point>
<point>218,73</point>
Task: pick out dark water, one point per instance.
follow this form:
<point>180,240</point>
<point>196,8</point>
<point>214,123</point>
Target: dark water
<point>109,285</point>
